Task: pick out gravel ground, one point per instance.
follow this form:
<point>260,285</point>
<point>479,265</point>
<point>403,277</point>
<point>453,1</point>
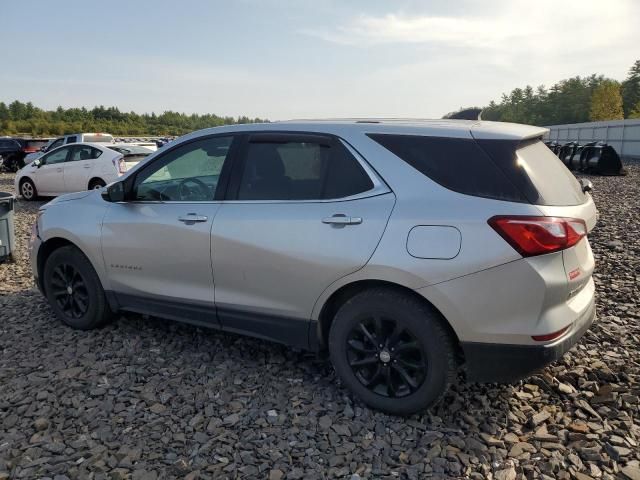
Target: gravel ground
<point>145,398</point>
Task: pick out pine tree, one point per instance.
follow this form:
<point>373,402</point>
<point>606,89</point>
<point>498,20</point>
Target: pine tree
<point>631,90</point>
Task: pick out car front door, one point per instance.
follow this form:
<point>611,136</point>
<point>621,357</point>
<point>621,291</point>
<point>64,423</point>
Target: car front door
<point>302,212</point>
<point>78,167</point>
<point>157,244</point>
<point>49,176</point>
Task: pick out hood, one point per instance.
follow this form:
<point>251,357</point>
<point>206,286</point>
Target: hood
<point>71,196</point>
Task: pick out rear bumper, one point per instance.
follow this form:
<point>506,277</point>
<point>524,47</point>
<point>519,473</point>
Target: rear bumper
<point>504,363</point>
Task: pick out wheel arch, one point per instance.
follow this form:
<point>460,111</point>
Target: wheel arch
<point>95,179</point>
<point>348,291</point>
<point>51,245</point>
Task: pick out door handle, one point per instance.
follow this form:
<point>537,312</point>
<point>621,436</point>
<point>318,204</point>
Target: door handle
<point>58,169</point>
<point>192,218</point>
<point>340,219</point>
<point>86,165</point>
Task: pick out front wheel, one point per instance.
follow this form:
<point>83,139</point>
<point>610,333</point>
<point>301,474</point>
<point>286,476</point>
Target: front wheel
<point>74,290</point>
<point>392,351</point>
<point>28,189</point>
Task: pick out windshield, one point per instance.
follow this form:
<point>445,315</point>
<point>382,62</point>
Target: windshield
<point>97,138</point>
<point>131,150</point>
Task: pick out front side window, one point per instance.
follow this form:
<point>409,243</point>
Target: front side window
<point>58,156</point>
<point>84,152</point>
<point>300,170</point>
<point>56,144</point>
<point>189,172</point>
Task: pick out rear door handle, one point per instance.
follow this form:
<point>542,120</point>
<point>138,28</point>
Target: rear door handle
<point>86,165</point>
<point>340,219</point>
<point>192,218</point>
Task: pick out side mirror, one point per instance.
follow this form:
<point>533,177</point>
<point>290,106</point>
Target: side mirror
<point>586,185</point>
<point>114,193</point>
<point>37,163</point>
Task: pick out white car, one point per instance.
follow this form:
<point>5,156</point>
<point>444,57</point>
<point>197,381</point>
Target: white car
<point>71,168</point>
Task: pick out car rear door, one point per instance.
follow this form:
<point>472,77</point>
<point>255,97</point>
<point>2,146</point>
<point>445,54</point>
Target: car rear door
<point>156,244</point>
<point>78,167</point>
<point>302,211</point>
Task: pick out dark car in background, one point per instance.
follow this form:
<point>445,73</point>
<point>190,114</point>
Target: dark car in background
<point>12,154</point>
<point>14,150</point>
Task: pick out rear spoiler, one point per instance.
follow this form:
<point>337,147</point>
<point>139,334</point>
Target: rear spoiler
<point>506,131</point>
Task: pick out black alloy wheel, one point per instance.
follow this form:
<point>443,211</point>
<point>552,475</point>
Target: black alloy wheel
<point>386,357</point>
<point>69,289</point>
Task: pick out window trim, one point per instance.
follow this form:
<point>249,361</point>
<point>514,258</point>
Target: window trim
<point>48,154</point>
<point>223,182</point>
<point>284,136</point>
<point>77,146</point>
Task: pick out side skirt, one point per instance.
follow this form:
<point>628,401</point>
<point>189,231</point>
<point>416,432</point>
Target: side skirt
<point>293,332</point>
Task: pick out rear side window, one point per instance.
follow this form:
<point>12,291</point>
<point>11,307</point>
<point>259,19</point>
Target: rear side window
<point>455,163</point>
<point>72,139</point>
<point>299,169</point>
<point>536,171</point>
<point>84,152</point>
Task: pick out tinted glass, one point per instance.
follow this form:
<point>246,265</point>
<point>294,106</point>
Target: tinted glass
<point>536,171</point>
<point>455,163</point>
<point>58,156</point>
<point>84,152</point>
<point>187,173</point>
<point>35,144</point>
<point>72,139</point>
<point>56,144</point>
<point>97,138</point>
<point>300,170</point>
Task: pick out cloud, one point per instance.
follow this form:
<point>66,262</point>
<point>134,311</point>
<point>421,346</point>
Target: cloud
<point>502,26</point>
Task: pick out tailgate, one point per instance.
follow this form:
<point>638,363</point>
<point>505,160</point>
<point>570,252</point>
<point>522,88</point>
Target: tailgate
<point>578,260</point>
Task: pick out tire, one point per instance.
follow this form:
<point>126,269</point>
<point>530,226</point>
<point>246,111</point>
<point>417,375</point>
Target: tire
<point>424,350</point>
<point>96,183</point>
<point>28,189</point>
<point>13,163</point>
<point>74,290</point>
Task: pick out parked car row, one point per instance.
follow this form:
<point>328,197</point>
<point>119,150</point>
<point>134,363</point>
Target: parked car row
<point>76,167</point>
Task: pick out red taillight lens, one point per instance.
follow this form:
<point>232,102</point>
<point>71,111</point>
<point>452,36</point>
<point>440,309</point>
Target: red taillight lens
<point>532,236</point>
<point>551,336</point>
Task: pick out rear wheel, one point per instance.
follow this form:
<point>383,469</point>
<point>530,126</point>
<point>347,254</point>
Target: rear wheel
<point>28,189</point>
<point>74,290</point>
<point>96,184</point>
<point>392,351</point>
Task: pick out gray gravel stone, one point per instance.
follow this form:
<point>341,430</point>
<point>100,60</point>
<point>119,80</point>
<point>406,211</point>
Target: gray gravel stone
<point>148,399</point>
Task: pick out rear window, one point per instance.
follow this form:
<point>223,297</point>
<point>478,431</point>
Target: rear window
<point>541,176</point>
<point>36,144</point>
<point>455,163</point>
<point>526,172</point>
<point>97,138</point>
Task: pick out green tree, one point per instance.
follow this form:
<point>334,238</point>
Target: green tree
<point>606,102</point>
<point>631,90</point>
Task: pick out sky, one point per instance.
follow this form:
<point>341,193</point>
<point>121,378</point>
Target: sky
<point>305,58</point>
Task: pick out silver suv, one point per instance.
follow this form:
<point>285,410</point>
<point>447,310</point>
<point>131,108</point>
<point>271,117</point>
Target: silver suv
<point>403,248</point>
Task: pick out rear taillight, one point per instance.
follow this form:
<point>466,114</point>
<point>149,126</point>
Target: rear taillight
<point>29,149</point>
<point>551,336</point>
<point>532,236</point>
<point>120,164</point>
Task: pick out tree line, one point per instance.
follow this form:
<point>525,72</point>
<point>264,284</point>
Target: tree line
<point>25,118</point>
<point>573,100</point>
